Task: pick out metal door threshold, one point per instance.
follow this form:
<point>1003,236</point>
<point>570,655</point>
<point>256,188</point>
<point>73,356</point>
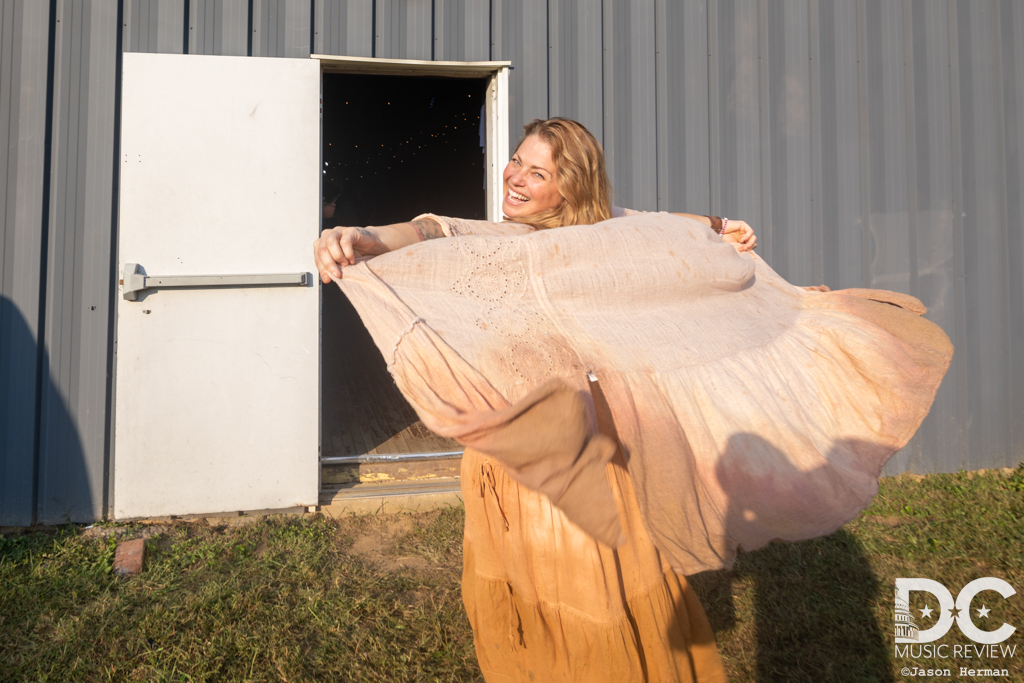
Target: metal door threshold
<point>387,457</point>
<point>362,490</point>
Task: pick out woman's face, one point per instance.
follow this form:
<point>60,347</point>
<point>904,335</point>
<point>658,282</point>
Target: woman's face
<point>530,183</point>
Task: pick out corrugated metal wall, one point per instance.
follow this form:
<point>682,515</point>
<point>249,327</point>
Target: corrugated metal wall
<point>872,143</point>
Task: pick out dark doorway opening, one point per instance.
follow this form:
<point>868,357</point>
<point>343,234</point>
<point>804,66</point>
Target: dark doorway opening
<point>393,147</point>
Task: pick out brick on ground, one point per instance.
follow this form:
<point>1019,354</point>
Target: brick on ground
<point>129,556</point>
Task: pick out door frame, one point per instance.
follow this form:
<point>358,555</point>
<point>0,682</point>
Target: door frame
<point>496,155</point>
<point>495,111</point>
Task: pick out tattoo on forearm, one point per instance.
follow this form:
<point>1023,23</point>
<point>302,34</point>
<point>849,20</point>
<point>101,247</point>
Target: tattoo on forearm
<point>427,229</point>
<point>364,232</point>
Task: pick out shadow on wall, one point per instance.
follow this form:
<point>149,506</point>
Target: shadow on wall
<point>812,602</point>
<point>43,479</point>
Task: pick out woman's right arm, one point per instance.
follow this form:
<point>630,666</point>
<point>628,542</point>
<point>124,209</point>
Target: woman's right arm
<point>341,246</point>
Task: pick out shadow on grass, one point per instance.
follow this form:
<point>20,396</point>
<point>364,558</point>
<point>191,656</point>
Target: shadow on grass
<point>812,602</point>
<point>812,607</point>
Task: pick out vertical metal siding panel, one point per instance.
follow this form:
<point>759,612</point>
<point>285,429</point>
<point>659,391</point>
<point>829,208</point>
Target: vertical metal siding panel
<point>714,110</point>
<point>927,56</point>
<point>23,62</point>
<point>789,124</point>
<point>575,63</point>
<point>887,143</point>
<point>684,182</point>
<point>984,255</point>
<point>154,26</point>
<point>1012,42</point>
<point>520,36</point>
<point>73,424</point>
<point>298,19</point>
<point>764,128</point>
<point>382,39</point>
<point>840,142</point>
<point>462,30</point>
<point>736,45</point>
<point>630,104</point>
<point>960,357</point>
<point>170,26</point>
<point>476,22</point>
<point>612,77</point>
<point>344,27</point>
<point>281,28</point>
<point>837,84</point>
<point>218,27</point>
<point>644,120</point>
<point>814,86</point>
<point>404,29</point>
<point>1002,457</point>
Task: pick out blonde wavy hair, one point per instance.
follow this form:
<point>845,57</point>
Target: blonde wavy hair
<point>579,171</point>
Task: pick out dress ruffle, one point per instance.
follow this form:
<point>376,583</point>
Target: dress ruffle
<point>549,603</point>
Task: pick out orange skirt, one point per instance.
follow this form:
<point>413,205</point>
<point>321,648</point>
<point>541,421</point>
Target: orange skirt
<point>549,603</point>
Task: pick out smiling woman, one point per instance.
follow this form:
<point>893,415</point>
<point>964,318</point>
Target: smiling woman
<point>542,593</point>
<point>557,177</point>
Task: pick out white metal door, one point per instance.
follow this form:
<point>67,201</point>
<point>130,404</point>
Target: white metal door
<point>216,386</point>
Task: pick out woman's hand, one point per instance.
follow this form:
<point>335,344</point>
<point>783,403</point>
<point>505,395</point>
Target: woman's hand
<point>341,246</point>
<point>740,233</point>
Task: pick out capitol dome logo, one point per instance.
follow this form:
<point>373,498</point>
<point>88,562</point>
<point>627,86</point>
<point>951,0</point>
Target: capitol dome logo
<point>906,627</point>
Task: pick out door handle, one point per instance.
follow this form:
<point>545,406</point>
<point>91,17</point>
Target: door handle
<point>134,282</point>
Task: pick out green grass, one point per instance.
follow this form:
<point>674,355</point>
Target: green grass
<point>281,599</point>
<point>377,599</point>
<point>823,610</point>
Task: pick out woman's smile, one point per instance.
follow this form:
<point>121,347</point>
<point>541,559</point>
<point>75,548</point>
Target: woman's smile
<point>516,198</point>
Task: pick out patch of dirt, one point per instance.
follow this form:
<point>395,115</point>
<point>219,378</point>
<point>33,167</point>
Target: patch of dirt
<point>377,541</point>
<point>393,564</point>
<point>127,533</point>
<point>414,598</point>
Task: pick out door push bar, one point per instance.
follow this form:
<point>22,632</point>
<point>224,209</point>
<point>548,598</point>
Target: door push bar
<point>135,282</point>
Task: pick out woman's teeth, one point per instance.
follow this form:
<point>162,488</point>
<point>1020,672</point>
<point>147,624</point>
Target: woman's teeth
<point>517,196</point>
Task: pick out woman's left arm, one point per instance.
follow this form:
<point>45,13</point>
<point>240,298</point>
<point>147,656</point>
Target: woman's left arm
<point>735,231</point>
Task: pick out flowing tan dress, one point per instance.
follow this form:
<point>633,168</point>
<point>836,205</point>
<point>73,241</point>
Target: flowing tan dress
<point>733,409</point>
